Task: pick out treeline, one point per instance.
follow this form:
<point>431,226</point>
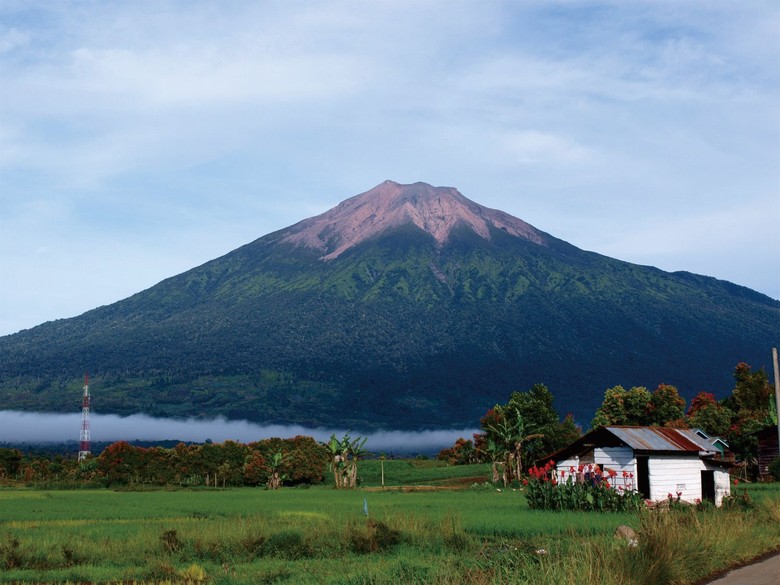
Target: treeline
<point>516,434</point>
<point>273,462</point>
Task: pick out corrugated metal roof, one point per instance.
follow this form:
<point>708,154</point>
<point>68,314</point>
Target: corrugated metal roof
<point>661,439</point>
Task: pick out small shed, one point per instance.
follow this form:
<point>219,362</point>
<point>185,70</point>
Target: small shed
<point>767,450</point>
<point>655,461</point>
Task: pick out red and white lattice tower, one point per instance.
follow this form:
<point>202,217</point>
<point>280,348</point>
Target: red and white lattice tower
<point>84,436</point>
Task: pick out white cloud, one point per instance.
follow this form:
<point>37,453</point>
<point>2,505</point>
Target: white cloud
<point>13,39</point>
<point>157,130</point>
<point>534,147</point>
<point>23,427</point>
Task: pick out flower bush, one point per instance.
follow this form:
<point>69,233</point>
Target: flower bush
<point>583,489</point>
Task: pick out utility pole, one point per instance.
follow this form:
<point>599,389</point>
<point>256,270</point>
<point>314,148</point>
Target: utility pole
<point>777,392</point>
<point>84,438</point>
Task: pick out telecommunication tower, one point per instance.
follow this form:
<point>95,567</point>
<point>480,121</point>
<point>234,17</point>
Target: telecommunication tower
<point>84,436</point>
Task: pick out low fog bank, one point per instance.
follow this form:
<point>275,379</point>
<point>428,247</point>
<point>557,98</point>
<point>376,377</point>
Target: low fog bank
<point>28,427</point>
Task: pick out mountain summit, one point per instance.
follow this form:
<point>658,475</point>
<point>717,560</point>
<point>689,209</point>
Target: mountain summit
<point>435,210</point>
<point>404,307</point>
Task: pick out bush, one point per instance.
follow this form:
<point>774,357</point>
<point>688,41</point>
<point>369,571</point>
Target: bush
<point>288,544</point>
<point>10,553</point>
<point>543,492</point>
<point>170,541</point>
<point>375,536</point>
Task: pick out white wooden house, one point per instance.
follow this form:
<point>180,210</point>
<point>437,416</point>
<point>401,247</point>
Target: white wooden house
<point>655,461</point>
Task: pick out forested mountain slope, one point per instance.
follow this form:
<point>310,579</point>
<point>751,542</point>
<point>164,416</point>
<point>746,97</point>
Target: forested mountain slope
<point>407,306</point>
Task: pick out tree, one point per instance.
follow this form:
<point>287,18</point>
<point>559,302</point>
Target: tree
<point>623,407</point>
<point>120,462</point>
<point>709,415</point>
<point>524,429</point>
<point>275,471</point>
<point>508,431</point>
<point>461,453</point>
<point>255,469</point>
<point>667,407</point>
<point>750,402</point>
<point>537,409</point>
<point>10,460</point>
<point>751,390</point>
<point>344,455</point>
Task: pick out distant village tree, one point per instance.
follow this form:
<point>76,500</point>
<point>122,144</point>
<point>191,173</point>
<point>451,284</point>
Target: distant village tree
<point>710,415</point>
<point>667,407</point>
<point>523,429</point>
<point>749,401</point>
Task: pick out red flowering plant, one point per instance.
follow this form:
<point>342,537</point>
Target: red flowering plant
<point>584,489</point>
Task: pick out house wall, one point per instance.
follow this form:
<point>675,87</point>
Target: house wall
<point>722,484</point>
<point>670,474</point>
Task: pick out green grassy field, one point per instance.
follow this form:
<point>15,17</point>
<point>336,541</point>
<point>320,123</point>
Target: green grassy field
<point>320,535</point>
<point>410,472</point>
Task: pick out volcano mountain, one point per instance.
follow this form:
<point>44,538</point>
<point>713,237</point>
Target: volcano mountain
<point>405,307</point>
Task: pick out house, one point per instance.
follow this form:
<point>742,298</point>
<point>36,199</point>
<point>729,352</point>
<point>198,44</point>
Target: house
<point>655,461</point>
<point>719,443</point>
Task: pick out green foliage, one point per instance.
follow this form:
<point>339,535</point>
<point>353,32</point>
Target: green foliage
<point>544,492</point>
<point>372,537</point>
<point>300,460</point>
<point>462,452</point>
<point>666,407</point>
<point>709,415</point>
<point>344,456</point>
<point>10,460</point>
<point>523,429</point>
<point>287,544</point>
<point>751,389</point>
<point>624,407</point>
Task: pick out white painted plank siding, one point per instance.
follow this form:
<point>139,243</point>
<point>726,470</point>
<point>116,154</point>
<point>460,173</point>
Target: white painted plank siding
<point>670,474</point>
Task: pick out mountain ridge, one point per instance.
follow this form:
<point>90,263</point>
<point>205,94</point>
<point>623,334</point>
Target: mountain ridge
<point>399,329</point>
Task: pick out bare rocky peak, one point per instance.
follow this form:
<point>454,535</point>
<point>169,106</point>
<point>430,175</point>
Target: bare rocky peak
<point>436,210</point>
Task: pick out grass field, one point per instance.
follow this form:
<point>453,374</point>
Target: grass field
<point>320,535</point>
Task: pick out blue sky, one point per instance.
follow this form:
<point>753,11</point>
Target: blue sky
<point>140,139</point>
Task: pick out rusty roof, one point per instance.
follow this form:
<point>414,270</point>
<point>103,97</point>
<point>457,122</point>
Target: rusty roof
<point>661,439</point>
<point>640,439</point>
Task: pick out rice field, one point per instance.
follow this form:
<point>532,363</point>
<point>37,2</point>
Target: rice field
<point>320,535</point>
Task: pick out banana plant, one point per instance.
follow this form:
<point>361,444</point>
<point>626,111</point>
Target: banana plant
<point>275,476</point>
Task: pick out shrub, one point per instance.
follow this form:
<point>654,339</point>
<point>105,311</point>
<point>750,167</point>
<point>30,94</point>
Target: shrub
<point>10,555</point>
<point>170,541</point>
<point>288,544</point>
<point>375,536</point>
<point>544,492</point>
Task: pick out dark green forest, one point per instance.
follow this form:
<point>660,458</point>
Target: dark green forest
<point>394,333</point>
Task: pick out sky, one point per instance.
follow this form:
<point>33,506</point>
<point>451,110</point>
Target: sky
<point>141,139</point>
